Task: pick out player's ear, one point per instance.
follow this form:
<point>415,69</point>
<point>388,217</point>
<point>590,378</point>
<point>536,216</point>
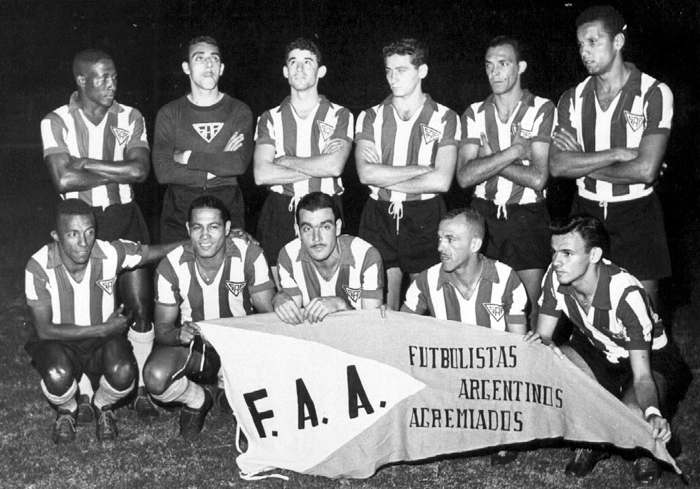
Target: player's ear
<point>338,226</point>
<point>321,71</point>
<point>187,225</point>
<point>54,235</point>
<point>285,71</point>
<point>619,41</point>
<point>423,71</point>
<point>596,254</point>
<point>296,229</point>
<point>221,69</point>
<point>227,228</point>
<point>186,67</point>
<point>476,244</point>
<point>80,81</point>
<point>522,66</point>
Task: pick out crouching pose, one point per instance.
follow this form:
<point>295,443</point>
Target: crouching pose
<point>213,276</point>
<point>70,287</point>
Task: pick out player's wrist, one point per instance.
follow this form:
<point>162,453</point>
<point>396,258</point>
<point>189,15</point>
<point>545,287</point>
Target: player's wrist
<point>652,411</point>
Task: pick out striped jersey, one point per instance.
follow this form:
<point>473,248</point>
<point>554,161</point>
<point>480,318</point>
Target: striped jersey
<point>294,136</point>
<point>644,106</point>
<point>536,118</point>
<point>90,301</point>
<point>499,300</point>
<point>620,318</point>
<point>403,143</point>
<point>244,272</point>
<point>360,274</point>
<point>67,130</point>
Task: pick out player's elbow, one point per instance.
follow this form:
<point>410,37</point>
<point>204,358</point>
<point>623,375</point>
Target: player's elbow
<point>540,183</point>
<point>555,167</point>
<point>648,176</point>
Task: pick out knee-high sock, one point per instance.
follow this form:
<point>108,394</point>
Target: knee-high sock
<point>142,344</point>
<point>185,391</point>
<point>65,402</point>
<point>85,386</point>
<point>107,395</point>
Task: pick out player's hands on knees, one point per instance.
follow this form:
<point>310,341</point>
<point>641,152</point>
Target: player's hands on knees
<point>566,141</point>
<point>240,233</point>
<point>116,322</point>
<point>320,307</point>
<point>287,309</point>
<point>661,429</point>
<point>187,332</point>
<point>235,142</point>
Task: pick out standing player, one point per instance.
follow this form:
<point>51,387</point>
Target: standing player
<point>324,271</point>
<point>618,339</point>
<point>468,287</point>
<point>301,146</point>
<point>95,149</point>
<point>70,289</point>
<point>611,136</point>
<point>213,276</point>
<point>406,153</point>
<point>203,141</point>
<point>504,151</point>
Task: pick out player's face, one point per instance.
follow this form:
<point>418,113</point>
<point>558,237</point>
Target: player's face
<point>204,66</point>
<point>318,231</point>
<point>597,48</point>
<point>302,69</point>
<point>502,69</point>
<point>570,259</point>
<point>208,232</point>
<point>456,243</point>
<point>403,76</point>
<point>99,84</point>
<point>75,237</point>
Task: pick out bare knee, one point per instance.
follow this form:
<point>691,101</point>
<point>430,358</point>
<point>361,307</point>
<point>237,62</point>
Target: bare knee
<point>157,375</point>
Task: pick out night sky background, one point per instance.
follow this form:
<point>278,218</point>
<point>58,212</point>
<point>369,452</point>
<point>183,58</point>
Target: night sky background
<point>145,38</point>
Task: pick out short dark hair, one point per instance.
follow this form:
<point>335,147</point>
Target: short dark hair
<point>209,202</point>
<point>503,40</point>
<point>72,207</point>
<point>88,58</point>
<point>316,201</point>
<point>591,230</point>
<point>305,45</point>
<point>611,19</point>
<point>473,217</point>
<point>408,47</point>
<point>198,39</point>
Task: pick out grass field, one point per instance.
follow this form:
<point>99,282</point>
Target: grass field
<point>151,455</point>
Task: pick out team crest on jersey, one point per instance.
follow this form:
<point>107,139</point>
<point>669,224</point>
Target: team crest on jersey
<point>235,287</point>
<point>122,135</point>
<point>495,310</point>
<point>107,285</point>
<point>353,294</point>
<point>208,130</point>
<point>430,134</point>
<point>326,130</point>
<point>634,121</point>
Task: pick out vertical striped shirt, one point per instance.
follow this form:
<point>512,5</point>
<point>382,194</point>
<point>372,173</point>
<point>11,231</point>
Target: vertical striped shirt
<point>536,118</point>
<point>620,318</point>
<point>68,130</point>
<point>499,300</point>
<point>360,274</point>
<point>644,106</point>
<point>244,272</point>
<point>90,301</point>
<point>294,136</point>
<point>405,143</point>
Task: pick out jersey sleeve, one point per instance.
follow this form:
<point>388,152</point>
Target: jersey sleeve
<point>659,110</point>
<point>565,109</point>
<point>138,137</point>
<point>344,127</point>
<point>416,297</point>
<point>129,254</point>
<point>548,299</point>
<point>633,314</point>
<point>544,123</point>
<point>364,129</point>
<point>167,286</point>
<point>471,134</point>
<point>53,130</point>
<point>515,300</point>
<point>451,129</point>
<point>256,270</point>
<point>36,285</point>
<point>372,275</point>
<point>288,283</point>
<point>265,130</point>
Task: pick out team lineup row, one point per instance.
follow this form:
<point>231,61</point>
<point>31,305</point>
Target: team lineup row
<point>487,267</point>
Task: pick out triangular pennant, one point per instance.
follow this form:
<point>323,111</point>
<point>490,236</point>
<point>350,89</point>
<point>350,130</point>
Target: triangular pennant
<point>235,287</point>
<point>353,294</point>
<point>495,310</point>
<point>208,130</point>
<point>107,285</point>
<point>430,134</point>
<point>634,121</point>
<point>326,130</point>
<point>122,135</point>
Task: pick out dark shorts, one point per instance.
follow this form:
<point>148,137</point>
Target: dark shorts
<point>615,377</point>
<point>176,206</point>
<point>276,224</point>
<point>121,221</point>
<point>414,247</point>
<point>85,355</point>
<point>637,234</point>
<point>522,240</point>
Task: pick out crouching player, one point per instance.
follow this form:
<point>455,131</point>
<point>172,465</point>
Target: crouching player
<point>213,276</point>
<point>70,286</point>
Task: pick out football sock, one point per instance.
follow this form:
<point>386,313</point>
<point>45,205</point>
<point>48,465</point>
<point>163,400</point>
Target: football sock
<point>85,386</point>
<point>107,395</point>
<point>185,391</point>
<point>65,402</point>
<point>142,344</point>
